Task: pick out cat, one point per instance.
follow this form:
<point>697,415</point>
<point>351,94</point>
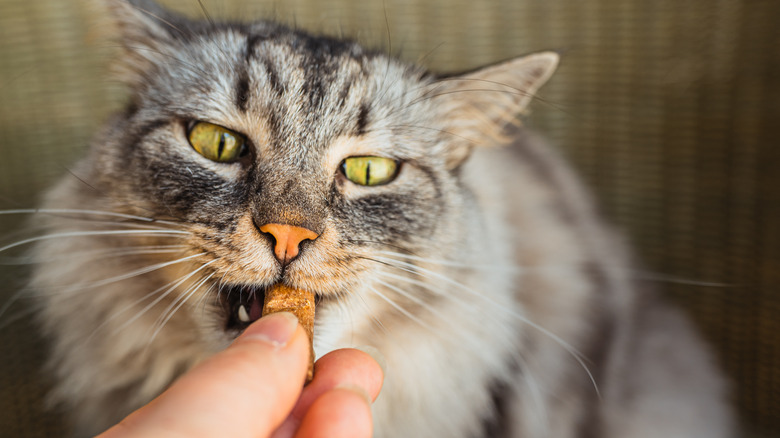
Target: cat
<point>437,230</point>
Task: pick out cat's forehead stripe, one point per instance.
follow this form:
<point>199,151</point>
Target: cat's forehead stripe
<point>362,119</point>
<point>242,89</point>
<point>303,82</point>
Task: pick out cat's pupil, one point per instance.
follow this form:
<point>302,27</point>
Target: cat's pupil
<point>221,147</point>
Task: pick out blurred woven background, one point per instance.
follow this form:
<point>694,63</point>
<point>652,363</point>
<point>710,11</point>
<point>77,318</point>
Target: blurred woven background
<point>670,109</point>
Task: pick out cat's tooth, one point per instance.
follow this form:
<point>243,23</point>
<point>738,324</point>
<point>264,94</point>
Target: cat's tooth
<point>243,316</point>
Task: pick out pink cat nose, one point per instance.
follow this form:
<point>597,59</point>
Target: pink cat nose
<point>288,239</point>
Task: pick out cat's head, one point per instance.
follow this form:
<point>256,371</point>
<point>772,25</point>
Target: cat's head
<point>294,158</point>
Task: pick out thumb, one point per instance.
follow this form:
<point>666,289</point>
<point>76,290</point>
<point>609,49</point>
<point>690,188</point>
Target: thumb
<point>245,391</point>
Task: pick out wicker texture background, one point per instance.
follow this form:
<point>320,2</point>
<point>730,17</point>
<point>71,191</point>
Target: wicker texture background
<point>670,109</point>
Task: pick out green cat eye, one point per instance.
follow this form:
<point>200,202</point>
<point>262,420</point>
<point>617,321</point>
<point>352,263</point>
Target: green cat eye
<point>370,171</point>
<point>216,143</point>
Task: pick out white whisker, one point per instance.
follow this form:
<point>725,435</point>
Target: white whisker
<point>126,276</point>
<point>107,252</point>
<point>178,303</point>
<point>202,301</point>
<point>375,319</point>
<point>465,304</point>
<point>408,267</point>
<point>502,268</point>
<point>415,300</point>
<point>651,276</point>
<point>168,233</point>
<point>131,306</point>
<point>161,297</point>
<point>360,301</point>
<point>401,309</point>
<point>56,211</point>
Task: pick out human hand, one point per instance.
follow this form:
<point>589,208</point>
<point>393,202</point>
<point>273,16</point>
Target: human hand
<point>255,389</point>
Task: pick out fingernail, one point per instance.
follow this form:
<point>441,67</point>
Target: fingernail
<point>276,329</point>
<point>376,355</point>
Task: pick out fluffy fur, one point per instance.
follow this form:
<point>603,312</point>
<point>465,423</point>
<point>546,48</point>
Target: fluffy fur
<point>502,305</point>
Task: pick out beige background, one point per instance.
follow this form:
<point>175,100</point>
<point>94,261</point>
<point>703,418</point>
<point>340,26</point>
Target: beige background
<point>670,109</point>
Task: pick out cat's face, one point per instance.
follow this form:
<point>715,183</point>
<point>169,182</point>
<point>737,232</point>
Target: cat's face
<point>234,128</point>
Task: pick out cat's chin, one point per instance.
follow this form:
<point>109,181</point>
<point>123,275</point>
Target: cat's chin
<point>243,305</point>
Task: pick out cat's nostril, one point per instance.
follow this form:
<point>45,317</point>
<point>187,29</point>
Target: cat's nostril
<point>269,236</point>
<point>287,240</point>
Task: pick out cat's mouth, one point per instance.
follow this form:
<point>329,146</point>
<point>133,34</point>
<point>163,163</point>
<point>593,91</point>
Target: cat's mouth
<point>243,305</point>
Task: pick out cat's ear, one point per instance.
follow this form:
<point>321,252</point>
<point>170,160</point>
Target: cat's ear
<point>476,107</point>
<point>146,33</point>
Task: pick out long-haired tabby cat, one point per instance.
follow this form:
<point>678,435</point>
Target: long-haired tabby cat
<point>437,231</point>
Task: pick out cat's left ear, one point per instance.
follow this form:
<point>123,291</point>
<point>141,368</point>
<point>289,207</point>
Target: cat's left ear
<point>147,33</point>
<point>477,106</point>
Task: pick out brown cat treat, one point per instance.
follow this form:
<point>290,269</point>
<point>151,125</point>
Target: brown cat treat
<point>299,302</point>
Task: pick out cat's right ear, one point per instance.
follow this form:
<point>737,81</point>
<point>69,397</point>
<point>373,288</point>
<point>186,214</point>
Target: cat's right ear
<point>146,32</point>
<point>476,107</point>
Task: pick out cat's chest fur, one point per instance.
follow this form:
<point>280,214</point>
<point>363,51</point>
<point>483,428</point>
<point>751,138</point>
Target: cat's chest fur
<point>478,268</point>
